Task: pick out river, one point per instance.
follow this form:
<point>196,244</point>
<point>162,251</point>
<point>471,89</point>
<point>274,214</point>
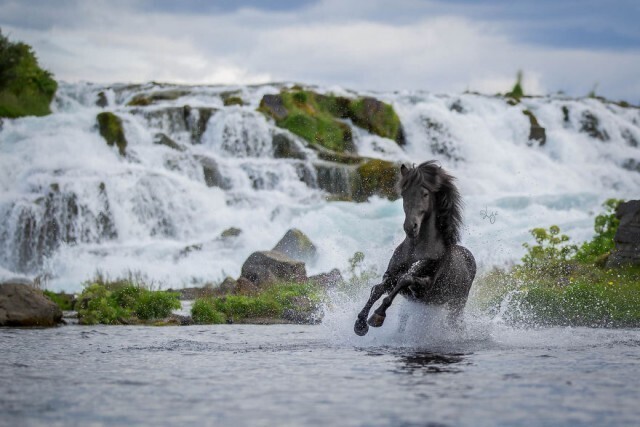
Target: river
<point>289,375</point>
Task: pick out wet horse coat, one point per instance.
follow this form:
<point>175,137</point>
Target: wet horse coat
<point>428,266</point>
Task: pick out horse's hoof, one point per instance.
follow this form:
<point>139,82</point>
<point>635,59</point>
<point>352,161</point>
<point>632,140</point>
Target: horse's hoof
<point>376,320</point>
<point>361,328</point>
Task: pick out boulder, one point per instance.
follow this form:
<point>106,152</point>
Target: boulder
<point>536,132</point>
<point>111,129</point>
<point>101,100</point>
<point>327,280</point>
<point>230,233</point>
<point>23,305</point>
<point>163,139</point>
<point>296,245</point>
<point>286,148</point>
<point>627,238</point>
<point>212,175</point>
<point>267,267</point>
<point>274,106</point>
<point>590,124</point>
<point>245,287</point>
<point>377,117</point>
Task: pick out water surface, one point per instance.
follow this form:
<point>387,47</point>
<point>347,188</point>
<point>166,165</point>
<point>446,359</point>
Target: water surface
<point>232,375</point>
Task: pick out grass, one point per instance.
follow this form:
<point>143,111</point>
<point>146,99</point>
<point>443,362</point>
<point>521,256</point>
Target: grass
<point>123,302</point>
<point>269,303</point>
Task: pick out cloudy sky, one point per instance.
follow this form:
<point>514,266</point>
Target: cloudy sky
<point>436,45</point>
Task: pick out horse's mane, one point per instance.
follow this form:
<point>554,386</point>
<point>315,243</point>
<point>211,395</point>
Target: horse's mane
<point>448,201</point>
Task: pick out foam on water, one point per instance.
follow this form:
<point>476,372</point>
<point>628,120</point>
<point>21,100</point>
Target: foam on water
<point>141,212</point>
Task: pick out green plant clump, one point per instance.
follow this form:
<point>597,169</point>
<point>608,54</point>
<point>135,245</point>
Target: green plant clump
<point>64,301</point>
<point>269,303</point>
<point>25,88</point>
<point>121,302</point>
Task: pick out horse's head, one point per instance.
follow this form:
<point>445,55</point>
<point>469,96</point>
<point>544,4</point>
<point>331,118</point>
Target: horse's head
<point>417,201</point>
<point>429,190</point>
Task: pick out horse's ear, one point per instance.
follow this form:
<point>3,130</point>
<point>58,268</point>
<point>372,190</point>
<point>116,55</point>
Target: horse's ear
<point>403,170</point>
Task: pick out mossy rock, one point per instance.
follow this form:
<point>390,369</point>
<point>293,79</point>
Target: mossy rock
<point>232,100</point>
<point>111,129</point>
<point>145,99</point>
<point>376,177</point>
<point>317,118</point>
<point>25,88</point>
<point>377,117</point>
<point>536,132</point>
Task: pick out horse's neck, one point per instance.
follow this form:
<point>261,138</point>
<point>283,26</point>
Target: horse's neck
<point>429,244</point>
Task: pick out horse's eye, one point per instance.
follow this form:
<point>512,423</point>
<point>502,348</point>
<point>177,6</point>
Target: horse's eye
<point>425,195</point>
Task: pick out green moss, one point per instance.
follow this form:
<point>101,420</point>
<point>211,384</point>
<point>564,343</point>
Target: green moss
<point>377,117</point>
<point>269,303</point>
<point>145,99</point>
<point>111,129</point>
<point>316,117</point>
<point>233,100</point>
<point>25,88</point>
<point>376,177</point>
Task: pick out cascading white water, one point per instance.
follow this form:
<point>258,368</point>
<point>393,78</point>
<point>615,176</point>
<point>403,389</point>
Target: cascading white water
<point>59,181</point>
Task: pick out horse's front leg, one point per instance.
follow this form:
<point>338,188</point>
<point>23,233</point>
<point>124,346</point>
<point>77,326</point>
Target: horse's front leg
<point>377,318</point>
<point>361,328</point>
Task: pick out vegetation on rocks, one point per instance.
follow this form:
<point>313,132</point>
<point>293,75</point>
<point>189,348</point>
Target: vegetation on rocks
<point>317,118</point>
<point>278,301</point>
<point>123,302</point>
<point>376,177</point>
<point>25,88</point>
<point>559,283</point>
<point>111,129</point>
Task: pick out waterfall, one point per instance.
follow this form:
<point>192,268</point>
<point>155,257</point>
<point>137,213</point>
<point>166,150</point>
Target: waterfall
<point>197,164</point>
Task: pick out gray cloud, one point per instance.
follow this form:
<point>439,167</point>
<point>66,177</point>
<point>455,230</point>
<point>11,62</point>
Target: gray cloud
<point>413,44</point>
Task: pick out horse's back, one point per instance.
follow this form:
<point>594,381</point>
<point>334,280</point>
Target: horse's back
<point>463,256</point>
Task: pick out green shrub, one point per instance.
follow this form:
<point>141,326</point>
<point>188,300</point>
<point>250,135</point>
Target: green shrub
<point>203,311</point>
<point>557,285</point>
<point>156,305</point>
<point>605,226</point>
<point>122,301</point>
<point>25,88</point>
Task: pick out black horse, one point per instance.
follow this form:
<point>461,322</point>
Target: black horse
<point>428,266</point>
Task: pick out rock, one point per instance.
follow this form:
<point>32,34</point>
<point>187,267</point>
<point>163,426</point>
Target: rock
<point>145,99</point>
<point>245,287</point>
<point>232,100</point>
<point>180,320</point>
<point>296,245</point>
<point>376,177</point>
<point>304,312</point>
<point>228,286</point>
<point>335,179</point>
<point>192,293</point>
<point>274,106</point>
<point>631,165</point>
<point>591,125</point>
<point>267,267</point>
<point>212,175</point>
<point>162,139</point>
<point>536,132</point>
<point>286,148</point>
<point>196,120</point>
<point>102,101</point>
<point>22,305</point>
<point>627,238</point>
<point>230,232</point>
<point>111,129</point>
<point>377,117</point>
<point>629,138</point>
<point>327,280</point>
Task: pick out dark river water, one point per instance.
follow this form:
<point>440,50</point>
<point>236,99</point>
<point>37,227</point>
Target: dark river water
<point>284,375</point>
